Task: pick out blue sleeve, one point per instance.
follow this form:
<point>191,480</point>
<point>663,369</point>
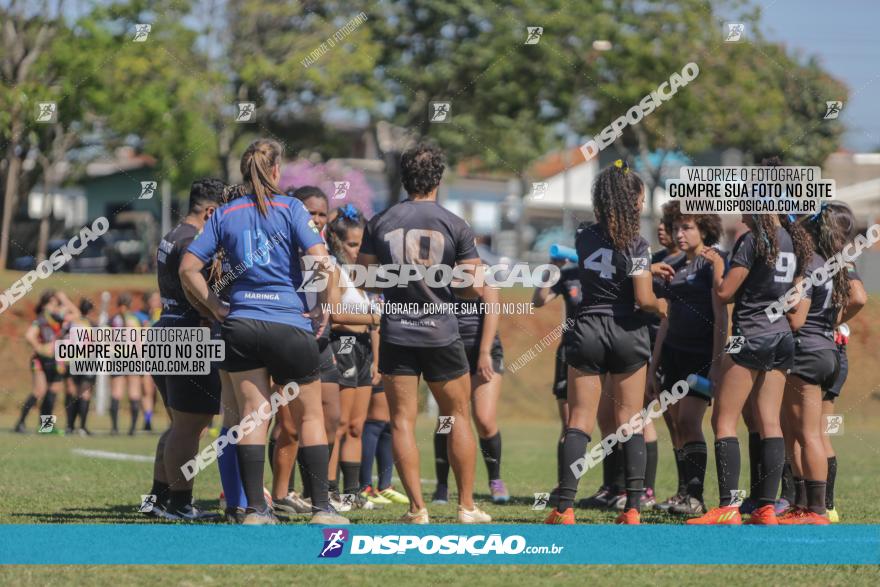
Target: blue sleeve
<point>303,230</point>
<point>207,242</point>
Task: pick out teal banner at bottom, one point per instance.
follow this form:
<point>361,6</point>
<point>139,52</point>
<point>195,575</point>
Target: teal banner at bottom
<point>143,544</point>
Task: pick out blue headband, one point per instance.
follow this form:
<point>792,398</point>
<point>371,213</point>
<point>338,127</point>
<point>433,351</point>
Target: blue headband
<point>816,216</point>
<point>350,212</point>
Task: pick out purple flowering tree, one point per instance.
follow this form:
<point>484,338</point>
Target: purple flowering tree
<point>342,185</point>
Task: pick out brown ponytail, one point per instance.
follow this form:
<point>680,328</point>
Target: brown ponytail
<point>256,170</point>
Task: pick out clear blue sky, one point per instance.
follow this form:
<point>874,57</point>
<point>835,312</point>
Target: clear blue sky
<point>845,35</point>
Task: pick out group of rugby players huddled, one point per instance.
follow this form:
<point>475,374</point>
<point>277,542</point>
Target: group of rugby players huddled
<point>237,264</point>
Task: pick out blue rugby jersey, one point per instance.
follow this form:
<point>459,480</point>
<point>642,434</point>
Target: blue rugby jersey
<point>269,247</point>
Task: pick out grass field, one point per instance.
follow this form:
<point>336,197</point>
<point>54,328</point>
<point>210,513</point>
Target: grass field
<point>46,482</point>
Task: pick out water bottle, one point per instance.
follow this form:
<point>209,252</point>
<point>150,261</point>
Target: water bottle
<point>700,385</point>
<point>559,252</point>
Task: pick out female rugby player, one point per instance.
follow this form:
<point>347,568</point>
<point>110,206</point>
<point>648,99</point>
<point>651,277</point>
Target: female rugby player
<point>190,400</point>
<point>610,337</point>
<point>265,325</point>
<point>51,311</point>
<point>350,338</point>
<point>418,231</point>
<point>765,263</point>
<point>816,363</point>
<point>479,332</point>
<point>125,384</point>
<point>690,341</point>
<point>81,394</point>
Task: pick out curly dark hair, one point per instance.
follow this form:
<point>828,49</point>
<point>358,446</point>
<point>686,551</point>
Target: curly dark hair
<point>830,230</point>
<point>421,169</point>
<point>766,242</point>
<point>800,238</point>
<point>616,203</point>
<point>670,212</point>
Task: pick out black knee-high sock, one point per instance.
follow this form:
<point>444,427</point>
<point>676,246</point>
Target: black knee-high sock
<point>302,473</point>
<point>694,463</point>
<point>114,414</point>
<point>47,408</point>
<point>135,411</point>
<point>829,487</point>
<point>560,459</point>
<point>385,458</point>
<point>251,461</point>
<point>574,447</point>
<point>619,482</point>
<point>816,496</point>
<point>727,465</point>
<point>635,460</point>
<point>441,458</point>
<point>179,499</point>
<point>772,463</point>
<point>83,412</point>
<point>161,490</point>
<point>679,466</point>
<point>800,492</point>
<point>271,453</point>
<point>351,471</point>
<point>491,448</point>
<point>608,471</point>
<point>26,407</point>
<point>332,484</point>
<point>755,472</point>
<point>787,483</point>
<point>650,464</point>
<point>71,406</point>
<point>315,460</point>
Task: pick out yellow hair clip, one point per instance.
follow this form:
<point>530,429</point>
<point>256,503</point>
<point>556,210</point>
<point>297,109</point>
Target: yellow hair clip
<point>621,164</point>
